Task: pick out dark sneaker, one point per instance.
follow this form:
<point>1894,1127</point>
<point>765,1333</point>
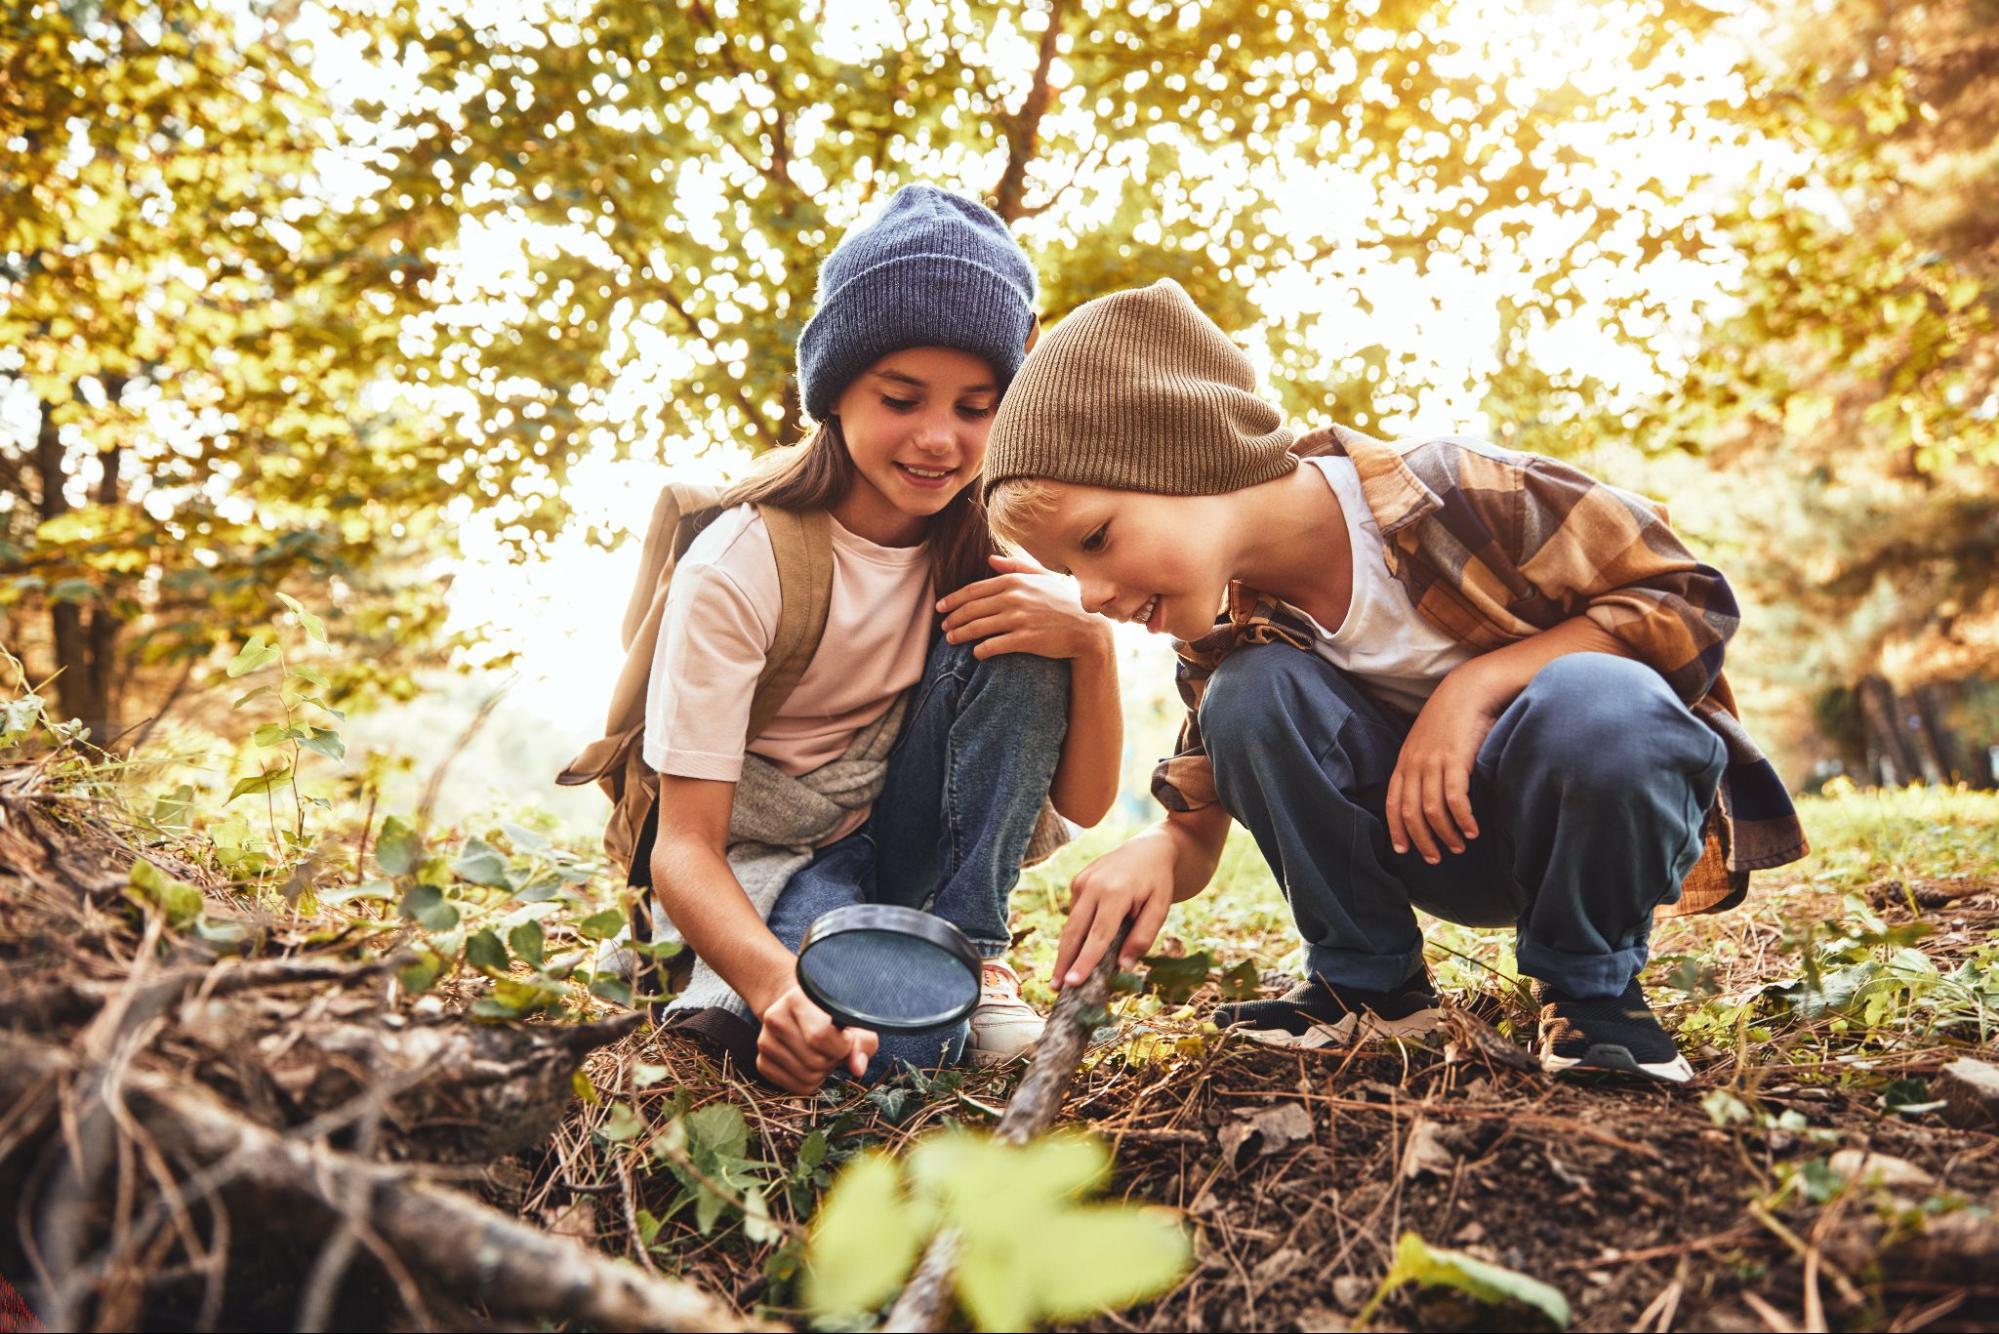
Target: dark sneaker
<point>1317,1013</point>
<point>1613,1033</point>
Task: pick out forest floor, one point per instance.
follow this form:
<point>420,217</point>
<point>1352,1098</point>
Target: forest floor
<point>1818,1174</point>
<point>1812,1177</point>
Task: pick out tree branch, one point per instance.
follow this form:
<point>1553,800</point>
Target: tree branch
<point>1023,127</point>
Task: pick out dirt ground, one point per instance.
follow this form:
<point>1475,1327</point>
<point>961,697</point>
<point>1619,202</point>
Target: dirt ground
<point>1779,1192</point>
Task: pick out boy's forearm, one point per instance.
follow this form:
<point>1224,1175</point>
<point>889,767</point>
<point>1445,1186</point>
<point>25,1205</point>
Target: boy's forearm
<point>1495,678</point>
<point>707,905</point>
<point>1086,777</point>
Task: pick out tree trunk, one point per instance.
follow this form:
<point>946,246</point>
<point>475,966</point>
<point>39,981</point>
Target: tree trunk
<point>86,658</point>
<point>1889,753</point>
<point>1932,703</point>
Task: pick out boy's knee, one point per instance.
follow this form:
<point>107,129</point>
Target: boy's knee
<point>1260,693</point>
<point>1605,720</point>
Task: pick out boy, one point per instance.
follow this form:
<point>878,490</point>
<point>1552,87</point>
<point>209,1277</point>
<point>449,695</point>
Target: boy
<point>1446,676</point>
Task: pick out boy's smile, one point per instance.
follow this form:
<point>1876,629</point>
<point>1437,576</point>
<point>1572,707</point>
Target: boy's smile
<point>1166,562</point>
<point>1152,560</point>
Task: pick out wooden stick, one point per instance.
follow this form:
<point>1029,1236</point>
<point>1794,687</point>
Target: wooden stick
<point>926,1300</point>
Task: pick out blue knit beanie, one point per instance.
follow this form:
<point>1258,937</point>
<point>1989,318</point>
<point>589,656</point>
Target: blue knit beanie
<point>934,270</point>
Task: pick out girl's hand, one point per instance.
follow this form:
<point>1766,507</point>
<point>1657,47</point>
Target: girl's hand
<point>1025,609</point>
<point>1130,883</point>
<point>800,1045</point>
<point>1429,794</point>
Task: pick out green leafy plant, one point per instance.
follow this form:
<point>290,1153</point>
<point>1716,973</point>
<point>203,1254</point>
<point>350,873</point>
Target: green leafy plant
<point>290,703</point>
<point>1030,1250</point>
<point>1416,1261</point>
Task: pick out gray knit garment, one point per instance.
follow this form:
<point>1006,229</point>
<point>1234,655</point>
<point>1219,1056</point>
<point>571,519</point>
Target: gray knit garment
<point>1139,391</point>
<point>776,825</point>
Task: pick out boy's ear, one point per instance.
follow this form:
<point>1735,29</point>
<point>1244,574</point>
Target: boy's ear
<point>1033,334</point>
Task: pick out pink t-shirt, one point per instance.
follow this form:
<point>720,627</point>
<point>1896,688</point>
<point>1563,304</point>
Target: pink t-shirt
<point>720,620</point>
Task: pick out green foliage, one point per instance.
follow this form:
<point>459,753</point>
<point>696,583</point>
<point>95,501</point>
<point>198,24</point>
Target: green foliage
<point>1030,1252</point>
<point>179,901</point>
<point>1416,1261</point>
<point>199,316</point>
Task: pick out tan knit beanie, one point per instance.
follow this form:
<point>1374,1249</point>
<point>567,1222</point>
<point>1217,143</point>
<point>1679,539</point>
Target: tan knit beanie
<point>1139,391</point>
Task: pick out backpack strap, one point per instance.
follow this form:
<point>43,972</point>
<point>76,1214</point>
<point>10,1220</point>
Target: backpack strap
<point>803,544</point>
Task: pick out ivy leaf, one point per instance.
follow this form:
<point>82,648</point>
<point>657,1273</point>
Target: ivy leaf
<point>602,925</point>
<point>326,742</point>
<point>1416,1261</point>
<point>421,973</point>
<point>480,863</point>
<point>425,905</point>
<point>399,848</point>
<point>526,940</point>
<point>149,886</point>
<point>259,783</point>
<point>1057,1272</point>
<point>516,998</point>
<point>174,812</point>
<point>622,1124</point>
<point>313,625</point>
<point>254,656</point>
<point>1241,982</point>
<point>367,889</point>
<point>865,1239</point>
<point>485,952</point>
<point>1175,979</point>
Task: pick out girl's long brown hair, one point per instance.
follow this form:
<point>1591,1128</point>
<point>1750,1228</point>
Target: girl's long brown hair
<point>817,475</point>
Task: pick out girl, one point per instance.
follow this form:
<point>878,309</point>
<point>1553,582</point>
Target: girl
<point>907,765</point>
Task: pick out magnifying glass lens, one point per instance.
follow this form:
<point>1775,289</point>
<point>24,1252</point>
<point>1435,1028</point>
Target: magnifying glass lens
<point>893,970</point>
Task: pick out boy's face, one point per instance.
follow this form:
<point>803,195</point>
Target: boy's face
<point>1162,561</point>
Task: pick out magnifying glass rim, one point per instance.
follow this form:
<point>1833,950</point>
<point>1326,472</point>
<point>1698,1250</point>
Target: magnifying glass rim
<point>894,919</point>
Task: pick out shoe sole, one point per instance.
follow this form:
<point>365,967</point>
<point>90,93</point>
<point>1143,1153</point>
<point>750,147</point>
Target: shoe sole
<point>1343,1033</point>
<point>1615,1059</point>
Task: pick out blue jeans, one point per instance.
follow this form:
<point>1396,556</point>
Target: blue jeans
<point>1591,793</point>
<point>965,782</point>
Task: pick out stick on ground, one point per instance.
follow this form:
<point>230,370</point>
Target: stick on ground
<point>1032,1109</point>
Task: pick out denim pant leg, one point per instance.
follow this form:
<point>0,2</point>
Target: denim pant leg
<point>1302,759</point>
<point>965,781</point>
<point>1598,780</point>
<point>837,876</point>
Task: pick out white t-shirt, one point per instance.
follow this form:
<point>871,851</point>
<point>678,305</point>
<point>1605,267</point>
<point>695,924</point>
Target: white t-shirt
<point>720,621</point>
<point>1383,642</point>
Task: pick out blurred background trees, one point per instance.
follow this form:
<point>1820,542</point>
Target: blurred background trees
<point>303,295</point>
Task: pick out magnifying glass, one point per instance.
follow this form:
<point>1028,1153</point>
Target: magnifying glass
<point>888,968</point>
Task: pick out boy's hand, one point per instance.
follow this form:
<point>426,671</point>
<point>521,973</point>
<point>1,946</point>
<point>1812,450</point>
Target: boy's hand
<point>800,1045</point>
<point>1025,609</point>
<point>1429,795</point>
<point>1132,883</point>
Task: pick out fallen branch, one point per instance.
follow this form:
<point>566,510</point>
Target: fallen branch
<point>1032,1109</point>
<point>468,1248</point>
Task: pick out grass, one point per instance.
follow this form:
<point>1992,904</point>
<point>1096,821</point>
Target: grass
<point>1854,958</point>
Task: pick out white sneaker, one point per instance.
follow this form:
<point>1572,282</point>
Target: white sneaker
<point>1003,1026</point>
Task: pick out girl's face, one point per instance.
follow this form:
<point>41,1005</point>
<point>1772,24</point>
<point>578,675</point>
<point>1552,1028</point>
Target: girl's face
<point>1161,561</point>
<point>915,424</point>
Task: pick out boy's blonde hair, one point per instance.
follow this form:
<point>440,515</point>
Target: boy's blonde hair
<point>1016,504</point>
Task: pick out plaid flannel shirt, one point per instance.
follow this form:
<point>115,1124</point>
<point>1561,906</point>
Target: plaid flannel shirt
<point>1493,546</point>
